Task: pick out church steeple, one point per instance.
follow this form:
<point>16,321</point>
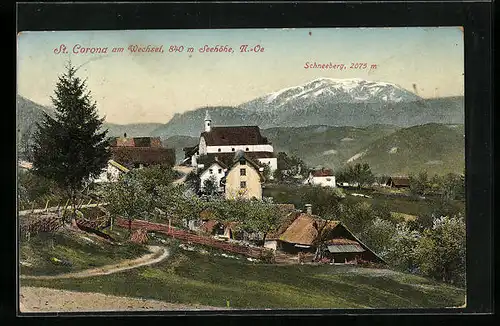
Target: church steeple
<point>208,122</point>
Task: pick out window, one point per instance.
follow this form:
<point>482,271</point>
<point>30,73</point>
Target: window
<point>243,184</point>
<point>220,171</point>
<point>243,172</point>
<point>328,179</point>
<point>243,162</point>
<point>218,150</point>
<point>232,149</point>
<point>247,149</point>
<point>211,171</point>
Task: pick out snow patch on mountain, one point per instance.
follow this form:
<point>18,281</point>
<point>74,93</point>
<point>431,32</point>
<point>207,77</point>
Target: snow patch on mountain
<point>330,152</point>
<point>357,156</point>
<point>347,139</point>
<point>353,90</point>
<point>393,150</point>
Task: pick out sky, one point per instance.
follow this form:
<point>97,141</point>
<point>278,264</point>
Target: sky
<point>153,86</point>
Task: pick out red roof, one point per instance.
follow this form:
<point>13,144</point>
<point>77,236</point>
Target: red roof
<point>227,136</point>
<point>322,173</point>
<point>136,142</point>
<point>143,155</point>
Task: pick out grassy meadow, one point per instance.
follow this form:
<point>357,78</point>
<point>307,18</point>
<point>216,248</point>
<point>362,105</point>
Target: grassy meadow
<point>76,251</point>
<point>206,279</point>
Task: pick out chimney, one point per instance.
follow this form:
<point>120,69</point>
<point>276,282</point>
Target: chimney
<point>125,135</point>
<point>309,209</point>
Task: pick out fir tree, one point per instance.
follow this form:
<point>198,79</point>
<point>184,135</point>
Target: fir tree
<point>70,148</point>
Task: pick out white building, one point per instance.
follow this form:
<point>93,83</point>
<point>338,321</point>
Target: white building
<point>112,172</point>
<point>216,170</point>
<point>223,142</point>
<point>323,177</point>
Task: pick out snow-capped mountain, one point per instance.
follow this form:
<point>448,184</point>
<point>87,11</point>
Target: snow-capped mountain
<point>325,101</point>
<point>329,90</point>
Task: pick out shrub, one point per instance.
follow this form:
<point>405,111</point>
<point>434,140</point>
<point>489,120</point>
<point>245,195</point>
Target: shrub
<point>267,256</point>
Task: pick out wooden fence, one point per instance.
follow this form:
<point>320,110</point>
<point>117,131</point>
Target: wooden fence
<point>187,236</point>
<point>41,223</point>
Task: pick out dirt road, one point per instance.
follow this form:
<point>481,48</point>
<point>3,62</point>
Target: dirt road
<point>157,254</point>
<point>184,170</point>
<point>33,299</point>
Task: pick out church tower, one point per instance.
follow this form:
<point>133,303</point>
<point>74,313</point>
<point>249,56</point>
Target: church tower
<point>208,122</point>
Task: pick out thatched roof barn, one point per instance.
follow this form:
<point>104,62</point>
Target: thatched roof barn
<point>307,233</point>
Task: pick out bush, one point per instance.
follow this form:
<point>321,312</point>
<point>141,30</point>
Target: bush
<point>35,190</point>
<point>441,250</point>
<point>401,250</point>
<point>267,256</point>
<point>378,236</point>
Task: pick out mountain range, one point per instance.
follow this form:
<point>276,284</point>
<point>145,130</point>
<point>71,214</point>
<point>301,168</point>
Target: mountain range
<point>325,101</point>
<point>328,122</point>
<point>435,148</point>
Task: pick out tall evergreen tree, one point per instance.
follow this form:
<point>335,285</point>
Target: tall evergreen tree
<point>70,148</point>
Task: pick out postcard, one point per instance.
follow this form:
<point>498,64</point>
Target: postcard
<point>235,169</point>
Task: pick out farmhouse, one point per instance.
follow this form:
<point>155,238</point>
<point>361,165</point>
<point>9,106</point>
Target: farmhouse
<point>137,152</point>
<point>231,230</point>
<point>313,237</point>
<point>228,230</point>
<point>224,142</point>
<point>322,177</point>
<point>216,170</point>
<point>398,182</point>
<point>243,178</point>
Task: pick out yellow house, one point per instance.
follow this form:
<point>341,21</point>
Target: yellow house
<point>243,179</point>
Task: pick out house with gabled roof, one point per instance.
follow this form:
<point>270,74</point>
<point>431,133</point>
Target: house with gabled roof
<point>136,152</point>
<point>243,178</point>
<point>215,170</point>
<point>225,141</point>
<point>308,234</point>
<point>321,177</point>
<point>398,182</point>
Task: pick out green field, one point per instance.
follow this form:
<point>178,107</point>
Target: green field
<point>81,250</point>
<point>196,278</point>
<point>399,204</point>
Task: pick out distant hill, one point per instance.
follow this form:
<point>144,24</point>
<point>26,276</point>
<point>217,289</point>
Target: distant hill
<point>388,148</point>
<point>29,113</point>
<point>435,148</point>
<point>325,145</point>
<point>179,142</point>
<point>325,101</point>
<point>132,130</point>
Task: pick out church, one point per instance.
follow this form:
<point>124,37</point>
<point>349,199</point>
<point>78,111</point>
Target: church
<point>220,144</point>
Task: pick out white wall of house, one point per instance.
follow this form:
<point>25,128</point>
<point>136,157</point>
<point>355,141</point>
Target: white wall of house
<point>271,244</point>
<point>194,160</point>
<point>234,148</point>
<point>328,181</point>
<point>214,170</point>
<point>202,146</point>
